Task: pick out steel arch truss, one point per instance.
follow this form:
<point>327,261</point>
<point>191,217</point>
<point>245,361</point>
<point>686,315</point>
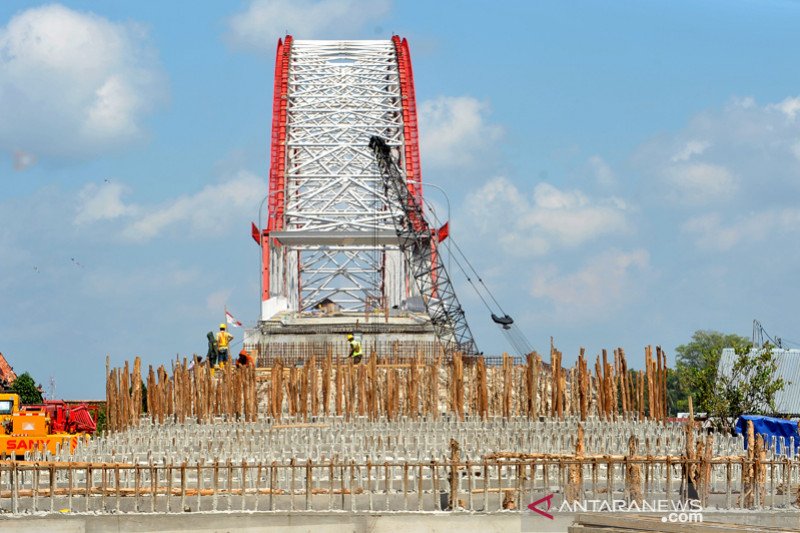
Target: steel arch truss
<point>331,227</point>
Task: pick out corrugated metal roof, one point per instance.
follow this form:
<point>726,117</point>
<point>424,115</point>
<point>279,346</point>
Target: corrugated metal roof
<point>787,401</point>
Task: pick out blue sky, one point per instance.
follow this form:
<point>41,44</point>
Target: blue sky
<point>622,173</point>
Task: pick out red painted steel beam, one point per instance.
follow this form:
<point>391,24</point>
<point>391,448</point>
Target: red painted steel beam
<point>278,149</point>
<point>410,129</point>
<point>411,136</point>
<point>277,168</point>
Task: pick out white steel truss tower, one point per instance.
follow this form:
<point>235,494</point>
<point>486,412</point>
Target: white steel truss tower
<point>330,232</point>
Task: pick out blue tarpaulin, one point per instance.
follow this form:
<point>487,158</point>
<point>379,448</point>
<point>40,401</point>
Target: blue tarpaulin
<point>768,428</point>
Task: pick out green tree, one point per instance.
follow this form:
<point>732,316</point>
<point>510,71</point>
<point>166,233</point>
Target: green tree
<point>748,387</point>
<point>102,421</point>
<point>696,368</point>
<point>26,388</point>
<point>677,397</point>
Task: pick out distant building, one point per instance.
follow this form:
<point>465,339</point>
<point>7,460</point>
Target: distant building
<point>7,375</point>
<point>787,401</point>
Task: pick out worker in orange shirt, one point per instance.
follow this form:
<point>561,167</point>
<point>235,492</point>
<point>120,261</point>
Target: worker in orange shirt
<point>245,359</point>
<point>223,341</point>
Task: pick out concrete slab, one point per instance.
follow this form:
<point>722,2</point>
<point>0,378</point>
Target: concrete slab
<point>344,522</point>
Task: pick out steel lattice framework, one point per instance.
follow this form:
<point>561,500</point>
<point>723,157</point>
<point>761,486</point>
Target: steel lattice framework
<point>330,232</point>
<point>419,246</point>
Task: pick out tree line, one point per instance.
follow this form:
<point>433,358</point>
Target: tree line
<point>749,387</point>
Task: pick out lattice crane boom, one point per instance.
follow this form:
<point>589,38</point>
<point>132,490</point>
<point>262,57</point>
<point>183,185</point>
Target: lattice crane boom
<point>419,249</point>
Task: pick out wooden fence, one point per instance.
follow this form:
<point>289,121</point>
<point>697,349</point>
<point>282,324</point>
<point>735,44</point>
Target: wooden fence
<point>493,484</point>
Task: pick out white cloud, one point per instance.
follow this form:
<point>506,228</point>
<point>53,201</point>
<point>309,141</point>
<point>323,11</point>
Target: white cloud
<point>700,183</point>
<point>789,107</point>
<point>209,211</point>
<point>260,25</point>
<point>728,156</point>
<point>691,148</point>
<point>102,202</point>
<point>73,84</point>
<point>605,282</point>
<point>454,130</point>
<point>602,171</point>
<point>549,218</point>
<point>712,233</point>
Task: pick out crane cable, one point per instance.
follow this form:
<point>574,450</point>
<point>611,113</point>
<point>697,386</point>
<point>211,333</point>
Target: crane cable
<point>511,330</point>
<point>458,263</point>
<point>477,275</point>
<point>469,264</point>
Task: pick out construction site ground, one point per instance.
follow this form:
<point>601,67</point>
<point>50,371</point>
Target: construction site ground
<point>368,523</point>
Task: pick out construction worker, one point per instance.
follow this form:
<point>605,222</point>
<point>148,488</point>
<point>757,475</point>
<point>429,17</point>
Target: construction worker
<point>223,340</point>
<point>245,359</point>
<point>355,348</point>
<point>213,349</point>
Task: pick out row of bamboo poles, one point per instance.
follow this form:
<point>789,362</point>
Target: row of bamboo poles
<point>194,391</point>
<point>467,386</point>
<point>462,386</point>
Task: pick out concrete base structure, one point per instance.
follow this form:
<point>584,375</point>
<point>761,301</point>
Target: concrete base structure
<point>294,337</point>
<point>269,522</point>
<point>320,522</point>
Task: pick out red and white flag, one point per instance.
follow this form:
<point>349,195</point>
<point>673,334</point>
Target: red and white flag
<point>232,321</point>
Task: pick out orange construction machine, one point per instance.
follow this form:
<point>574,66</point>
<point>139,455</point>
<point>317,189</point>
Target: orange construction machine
<point>48,426</point>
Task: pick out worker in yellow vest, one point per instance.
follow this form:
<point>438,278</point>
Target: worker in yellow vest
<point>223,340</point>
<point>355,348</point>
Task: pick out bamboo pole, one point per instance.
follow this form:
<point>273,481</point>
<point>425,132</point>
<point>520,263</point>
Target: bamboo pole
<point>600,390</point>
<point>314,386</point>
<point>339,389</point>
<point>483,393</point>
<point>574,488</point>
<point>633,474</point>
<point>434,387</point>
<point>373,387</point>
<point>508,374</point>
<point>584,384</point>
<point>326,381</point>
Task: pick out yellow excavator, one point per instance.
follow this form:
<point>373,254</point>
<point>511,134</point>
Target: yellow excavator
<point>50,426</point>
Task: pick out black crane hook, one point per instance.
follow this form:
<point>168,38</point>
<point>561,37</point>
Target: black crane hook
<point>504,320</point>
